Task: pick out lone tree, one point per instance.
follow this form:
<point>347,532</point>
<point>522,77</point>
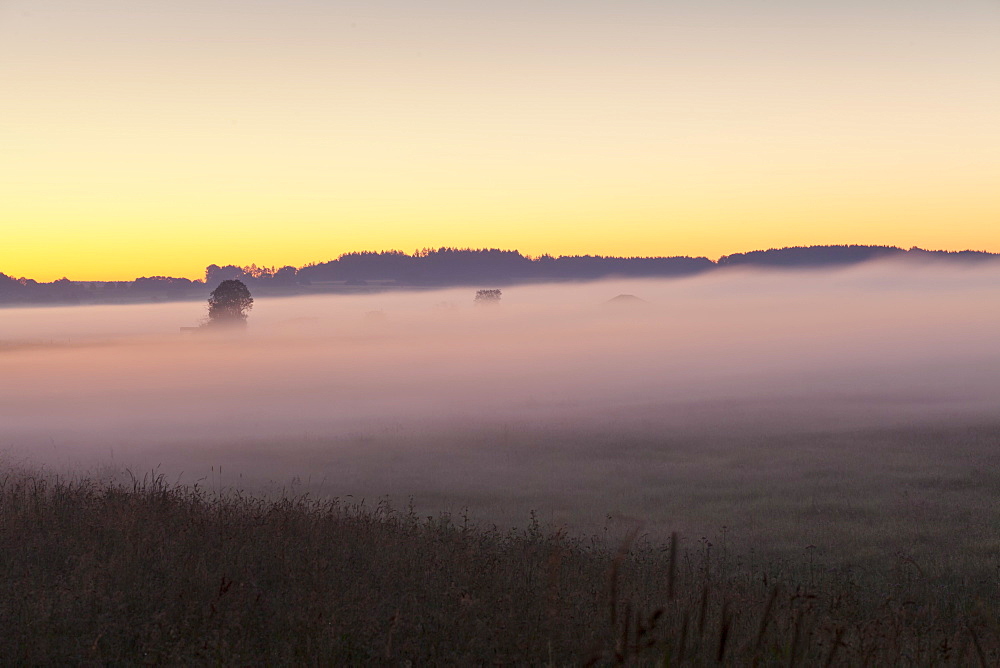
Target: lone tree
<point>229,304</point>
<point>487,297</point>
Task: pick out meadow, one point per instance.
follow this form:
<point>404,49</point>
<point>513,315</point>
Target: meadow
<point>141,572</point>
<point>769,468</point>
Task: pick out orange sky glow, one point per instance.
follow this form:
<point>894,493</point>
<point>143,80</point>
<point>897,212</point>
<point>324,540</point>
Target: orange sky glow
<point>156,138</point>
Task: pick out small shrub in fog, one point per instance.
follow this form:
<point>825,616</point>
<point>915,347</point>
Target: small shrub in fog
<point>487,297</point>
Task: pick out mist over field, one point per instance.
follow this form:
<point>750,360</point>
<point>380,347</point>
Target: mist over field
<point>776,402</point>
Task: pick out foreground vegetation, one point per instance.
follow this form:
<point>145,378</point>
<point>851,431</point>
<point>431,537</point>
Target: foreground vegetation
<point>150,573</point>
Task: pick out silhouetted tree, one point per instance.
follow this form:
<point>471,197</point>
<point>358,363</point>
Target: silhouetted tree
<point>9,286</point>
<point>487,297</point>
<point>228,305</point>
<point>215,275</point>
<point>285,275</point>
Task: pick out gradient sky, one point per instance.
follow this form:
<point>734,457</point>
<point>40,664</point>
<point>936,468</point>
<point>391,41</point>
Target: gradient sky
<point>141,138</point>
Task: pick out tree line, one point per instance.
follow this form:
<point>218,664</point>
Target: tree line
<point>455,266</point>
<point>451,267</point>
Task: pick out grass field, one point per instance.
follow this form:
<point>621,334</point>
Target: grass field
<point>862,497</point>
<point>899,570</point>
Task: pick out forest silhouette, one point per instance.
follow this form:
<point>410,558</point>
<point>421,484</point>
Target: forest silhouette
<point>367,271</point>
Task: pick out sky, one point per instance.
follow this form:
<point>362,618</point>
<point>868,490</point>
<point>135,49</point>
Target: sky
<point>155,138</point>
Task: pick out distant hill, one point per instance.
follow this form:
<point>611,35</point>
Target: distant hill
<point>825,256</point>
<point>446,267</point>
<point>626,302</point>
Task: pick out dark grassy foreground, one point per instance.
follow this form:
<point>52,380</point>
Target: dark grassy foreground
<point>144,573</point>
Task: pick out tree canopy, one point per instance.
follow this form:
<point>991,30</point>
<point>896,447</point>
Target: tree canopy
<point>229,304</point>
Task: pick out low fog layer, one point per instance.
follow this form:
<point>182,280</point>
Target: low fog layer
<point>422,393</point>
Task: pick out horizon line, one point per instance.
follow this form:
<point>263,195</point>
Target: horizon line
<point>423,252</point>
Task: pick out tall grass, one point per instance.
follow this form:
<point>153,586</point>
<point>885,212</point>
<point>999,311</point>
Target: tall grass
<point>146,572</point>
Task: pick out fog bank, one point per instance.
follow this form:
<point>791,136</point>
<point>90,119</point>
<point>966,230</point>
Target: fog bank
<point>424,393</point>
